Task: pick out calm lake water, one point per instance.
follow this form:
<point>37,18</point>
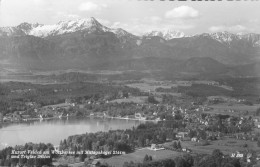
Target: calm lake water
<point>55,130</point>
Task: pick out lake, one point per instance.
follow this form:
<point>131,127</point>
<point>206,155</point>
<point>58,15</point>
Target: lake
<point>55,130</point>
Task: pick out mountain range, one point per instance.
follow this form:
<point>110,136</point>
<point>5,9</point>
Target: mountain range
<point>87,44</point>
<point>166,34</point>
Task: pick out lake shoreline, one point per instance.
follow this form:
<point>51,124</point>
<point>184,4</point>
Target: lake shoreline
<point>50,118</point>
<point>53,130</point>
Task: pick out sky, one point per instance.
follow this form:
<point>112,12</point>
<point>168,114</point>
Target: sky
<point>137,16</point>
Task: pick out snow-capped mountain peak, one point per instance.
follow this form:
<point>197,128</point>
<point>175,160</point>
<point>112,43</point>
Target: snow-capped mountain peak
<point>223,37</point>
<point>21,29</point>
<point>227,37</point>
<point>27,26</point>
<point>166,34</point>
<point>63,27</point>
<point>252,38</point>
<point>80,24</point>
<point>90,25</point>
<point>119,32</point>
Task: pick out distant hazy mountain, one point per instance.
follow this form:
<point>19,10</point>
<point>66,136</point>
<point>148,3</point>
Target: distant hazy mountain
<point>229,38</point>
<point>167,34</point>
<point>87,44</point>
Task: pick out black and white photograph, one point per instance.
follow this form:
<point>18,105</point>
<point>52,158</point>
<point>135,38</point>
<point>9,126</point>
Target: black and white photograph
<point>129,83</point>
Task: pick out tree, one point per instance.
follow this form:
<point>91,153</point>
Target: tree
<point>258,142</point>
<point>174,145</point>
<point>202,134</point>
<point>169,163</point>
<point>141,141</point>
<point>126,164</point>
<point>30,162</point>
<point>151,99</point>
<point>217,153</point>
<point>83,156</point>
<point>207,161</point>
<point>192,133</point>
<point>228,165</point>
<point>150,158</point>
<point>125,94</point>
<point>179,162</point>
<point>189,161</point>
<point>146,158</point>
<point>75,149</point>
<point>217,156</point>
<point>257,113</point>
<point>179,145</point>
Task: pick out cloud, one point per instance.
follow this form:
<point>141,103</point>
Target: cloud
<point>90,6</point>
<point>38,2</point>
<point>118,24</point>
<point>104,22</point>
<point>153,19</point>
<point>254,21</point>
<point>72,16</point>
<point>104,5</point>
<point>65,16</point>
<point>182,12</point>
<point>233,28</point>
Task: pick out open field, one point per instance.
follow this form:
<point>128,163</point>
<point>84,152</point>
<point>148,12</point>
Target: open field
<point>227,146</point>
<point>105,72</point>
<point>146,87</point>
<point>58,105</point>
<point>214,84</point>
<point>134,99</point>
<point>138,156</point>
<point>239,109</point>
<point>151,86</point>
<point>169,93</point>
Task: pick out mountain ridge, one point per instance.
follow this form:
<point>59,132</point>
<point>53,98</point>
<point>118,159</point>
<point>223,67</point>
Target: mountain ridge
<point>88,23</point>
<point>87,44</point>
<point>166,34</point>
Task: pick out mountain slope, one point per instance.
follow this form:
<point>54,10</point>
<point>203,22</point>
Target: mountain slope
<point>87,44</point>
<point>203,65</point>
<point>28,52</point>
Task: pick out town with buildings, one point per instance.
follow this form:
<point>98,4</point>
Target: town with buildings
<point>194,126</point>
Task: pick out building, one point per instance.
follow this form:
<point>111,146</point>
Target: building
<point>195,139</point>
<point>139,116</point>
<point>156,147</point>
<point>181,135</point>
<point>186,150</point>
